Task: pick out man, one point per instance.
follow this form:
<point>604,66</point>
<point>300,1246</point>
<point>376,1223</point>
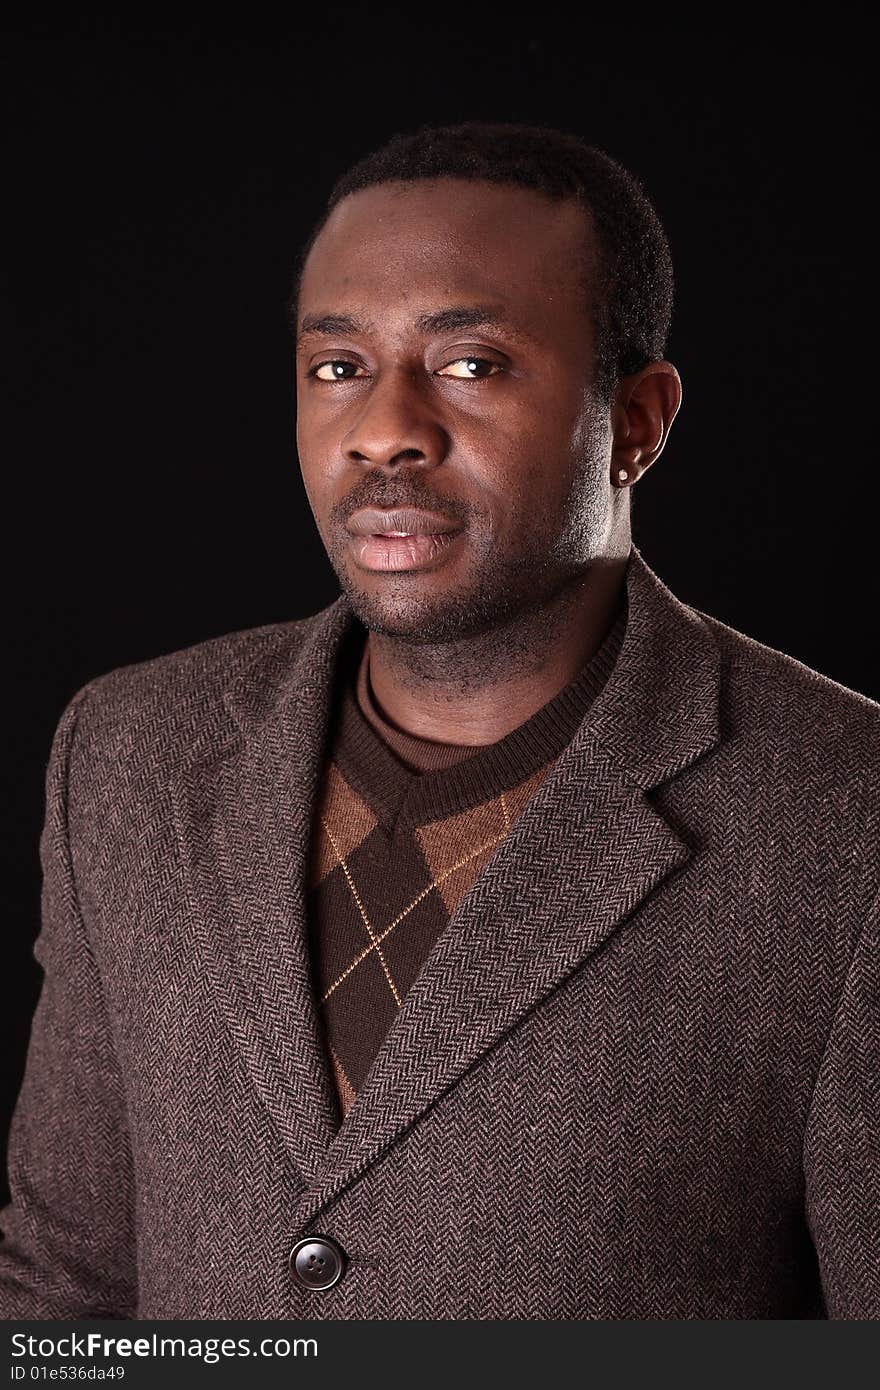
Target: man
<point>502,941</point>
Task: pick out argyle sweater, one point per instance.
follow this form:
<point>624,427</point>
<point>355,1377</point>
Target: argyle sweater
<point>403,826</point>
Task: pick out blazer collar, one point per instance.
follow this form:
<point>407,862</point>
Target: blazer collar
<point>294,680</point>
<point>586,850</point>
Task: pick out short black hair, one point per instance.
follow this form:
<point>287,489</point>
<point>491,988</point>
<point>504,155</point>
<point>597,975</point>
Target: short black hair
<point>632,301</point>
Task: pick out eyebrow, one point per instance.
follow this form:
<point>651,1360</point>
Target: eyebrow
<point>442,321</point>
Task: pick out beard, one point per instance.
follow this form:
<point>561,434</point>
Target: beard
<point>412,611</point>
<point>506,580</point>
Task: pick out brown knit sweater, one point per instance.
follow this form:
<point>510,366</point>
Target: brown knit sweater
<point>403,827</point>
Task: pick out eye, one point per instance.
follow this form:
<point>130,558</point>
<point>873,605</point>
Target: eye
<point>473,369</point>
<point>338,370</point>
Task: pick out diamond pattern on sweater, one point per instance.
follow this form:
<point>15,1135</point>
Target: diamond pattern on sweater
<point>377,910</point>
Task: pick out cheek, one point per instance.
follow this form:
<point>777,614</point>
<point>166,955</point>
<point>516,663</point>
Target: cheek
<point>589,444</point>
<point>541,462</point>
<point>590,435</point>
<point>585,510</point>
<point>318,427</point>
<point>563,485</point>
<point>319,454</point>
<point>501,454</point>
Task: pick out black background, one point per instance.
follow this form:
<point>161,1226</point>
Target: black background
<point>157,183</point>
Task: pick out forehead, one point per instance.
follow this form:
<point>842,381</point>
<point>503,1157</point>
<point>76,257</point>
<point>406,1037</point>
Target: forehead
<point>397,246</point>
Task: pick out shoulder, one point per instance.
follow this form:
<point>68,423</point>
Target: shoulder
<point>173,705</point>
<point>778,686</point>
<point>786,801</point>
<point>804,735</point>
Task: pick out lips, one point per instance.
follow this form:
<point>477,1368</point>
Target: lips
<point>400,521</point>
<point>400,539</point>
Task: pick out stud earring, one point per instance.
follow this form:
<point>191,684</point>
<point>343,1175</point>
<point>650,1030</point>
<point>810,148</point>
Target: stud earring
<point>622,475</point>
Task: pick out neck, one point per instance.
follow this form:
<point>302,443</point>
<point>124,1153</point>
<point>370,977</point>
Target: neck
<point>477,690</point>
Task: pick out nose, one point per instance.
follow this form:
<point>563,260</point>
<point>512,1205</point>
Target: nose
<point>396,424</point>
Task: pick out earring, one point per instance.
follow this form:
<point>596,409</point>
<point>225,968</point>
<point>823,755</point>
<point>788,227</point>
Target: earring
<point>622,475</point>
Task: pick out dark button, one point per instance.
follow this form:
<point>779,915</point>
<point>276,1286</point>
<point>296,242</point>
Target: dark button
<point>317,1262</point>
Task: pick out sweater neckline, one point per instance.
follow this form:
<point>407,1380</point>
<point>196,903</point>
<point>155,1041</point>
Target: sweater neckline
<point>418,755</point>
<point>402,797</point>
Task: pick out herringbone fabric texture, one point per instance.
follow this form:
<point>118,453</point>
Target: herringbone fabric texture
<point>636,1076</point>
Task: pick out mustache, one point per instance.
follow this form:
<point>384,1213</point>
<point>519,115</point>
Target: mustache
<point>395,496</point>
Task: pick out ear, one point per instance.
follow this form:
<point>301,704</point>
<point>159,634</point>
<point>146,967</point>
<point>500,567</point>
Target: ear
<point>642,411</point>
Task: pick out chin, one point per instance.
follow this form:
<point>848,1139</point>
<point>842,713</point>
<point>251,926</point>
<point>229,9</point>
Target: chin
<point>407,622</point>
<point>396,605</point>
<point>424,618</point>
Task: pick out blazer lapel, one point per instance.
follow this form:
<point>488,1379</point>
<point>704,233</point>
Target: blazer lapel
<point>243,812</point>
<point>585,852</point>
<point>582,856</point>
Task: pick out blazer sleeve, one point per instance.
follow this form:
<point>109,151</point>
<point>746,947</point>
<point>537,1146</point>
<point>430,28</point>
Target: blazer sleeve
<point>68,1248</point>
<point>842,1145</point>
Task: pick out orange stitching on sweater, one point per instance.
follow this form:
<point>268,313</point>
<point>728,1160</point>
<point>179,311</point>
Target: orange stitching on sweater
<point>435,883</point>
<point>362,910</point>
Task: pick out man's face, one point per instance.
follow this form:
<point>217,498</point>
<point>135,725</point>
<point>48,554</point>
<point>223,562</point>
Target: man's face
<point>444,366</point>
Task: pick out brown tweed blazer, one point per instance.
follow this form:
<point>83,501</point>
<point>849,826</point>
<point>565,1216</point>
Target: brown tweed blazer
<point>637,1076</point>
